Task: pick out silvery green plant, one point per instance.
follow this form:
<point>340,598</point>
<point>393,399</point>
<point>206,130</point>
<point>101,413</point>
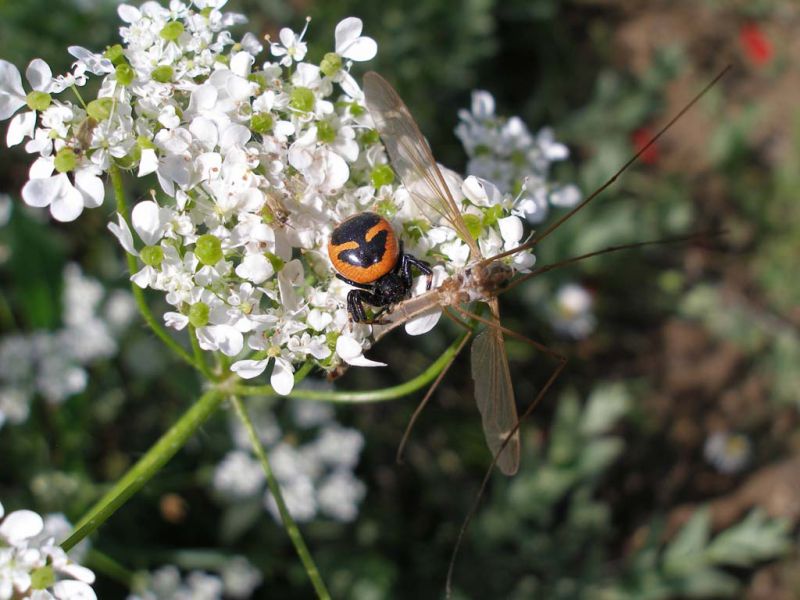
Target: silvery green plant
<point>257,151</point>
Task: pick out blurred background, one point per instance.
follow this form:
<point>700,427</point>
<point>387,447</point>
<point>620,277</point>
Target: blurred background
<point>662,463</point>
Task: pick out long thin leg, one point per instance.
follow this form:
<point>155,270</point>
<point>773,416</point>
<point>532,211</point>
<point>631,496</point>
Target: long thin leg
<point>434,385</point>
<point>562,363</point>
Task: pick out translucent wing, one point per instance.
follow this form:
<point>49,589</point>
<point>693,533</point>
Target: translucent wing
<point>411,156</point>
<point>495,394</point>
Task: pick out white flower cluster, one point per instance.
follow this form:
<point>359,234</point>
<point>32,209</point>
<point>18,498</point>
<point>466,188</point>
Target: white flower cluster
<point>257,160</point>
<point>33,566</point>
<point>503,151</point>
<point>316,476</point>
<point>572,312</point>
<point>237,579</point>
<point>53,363</point>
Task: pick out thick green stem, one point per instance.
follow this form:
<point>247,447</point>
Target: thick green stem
<point>133,267</point>
<point>286,517</point>
<point>158,455</point>
<point>390,393</point>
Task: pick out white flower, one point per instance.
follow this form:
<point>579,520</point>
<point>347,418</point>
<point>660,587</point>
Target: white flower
<point>239,475</point>
<point>340,494</point>
<point>351,44</point>
<point>65,199</point>
<point>728,452</point>
<point>240,578</point>
<point>292,47</point>
<point>13,97</point>
<point>351,352</point>
<point>281,380</point>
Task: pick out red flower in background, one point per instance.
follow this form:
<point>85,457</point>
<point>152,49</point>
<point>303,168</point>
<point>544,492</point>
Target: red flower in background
<point>639,139</point>
<point>755,44</point>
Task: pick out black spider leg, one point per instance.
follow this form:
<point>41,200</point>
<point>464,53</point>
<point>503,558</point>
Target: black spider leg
<point>355,305</point>
<point>407,261</point>
<point>356,299</point>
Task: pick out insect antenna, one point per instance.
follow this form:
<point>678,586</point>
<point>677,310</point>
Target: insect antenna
<point>692,237</point>
<point>561,220</point>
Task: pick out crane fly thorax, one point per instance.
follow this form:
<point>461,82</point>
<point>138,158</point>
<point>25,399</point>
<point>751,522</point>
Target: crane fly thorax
<point>485,280</point>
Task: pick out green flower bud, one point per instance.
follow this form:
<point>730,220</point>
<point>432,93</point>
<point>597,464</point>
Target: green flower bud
<point>370,136</point>
<point>42,578</point>
<point>171,31</point>
<point>356,109</point>
<point>325,132</point>
<point>276,261</point>
<point>125,74</point>
<point>330,64</point>
<point>162,74</point>
<point>38,100</point>
<point>115,53</point>
<point>198,314</point>
<point>302,99</point>
<point>145,143</point>
<point>208,249</point>
<point>382,175</point>
<point>100,109</point>
<point>492,214</point>
<point>152,255</point>
<point>66,160</point>
<point>261,122</point>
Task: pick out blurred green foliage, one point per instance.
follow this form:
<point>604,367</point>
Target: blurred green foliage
<point>563,527</point>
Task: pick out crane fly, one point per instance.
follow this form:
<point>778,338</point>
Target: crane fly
<point>482,280</point>
<point>413,161</point>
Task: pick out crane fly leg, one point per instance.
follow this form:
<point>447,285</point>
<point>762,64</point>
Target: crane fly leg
<point>434,385</point>
<point>562,363</point>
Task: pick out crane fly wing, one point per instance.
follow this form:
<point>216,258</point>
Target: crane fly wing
<point>411,157</point>
<point>494,393</point>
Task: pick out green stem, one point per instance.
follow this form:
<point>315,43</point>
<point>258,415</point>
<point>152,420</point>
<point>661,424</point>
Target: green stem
<point>155,458</point>
<point>390,393</point>
<point>133,267</point>
<point>286,517</point>
<point>103,563</point>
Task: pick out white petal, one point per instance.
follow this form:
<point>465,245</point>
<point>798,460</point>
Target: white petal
<point>21,525</point>
<point>2,510</point>
<point>224,338</point>
<point>90,186</point>
<point>143,277</point>
<point>82,574</point>
<point>128,13</point>
<point>319,320</point>
<point>248,369</point>
<point>255,268</point>
<point>12,96</point>
<point>148,163</point>
<point>175,320</point>
<point>510,230</point>
<point>39,75</point>
<point>347,31</point>
<point>234,135</point>
<point>41,192</point>
<point>20,127</point>
<point>282,378</point>
<point>351,352</point>
<point>423,323</point>
<point>123,233</point>
<point>69,589</point>
<point>68,205</point>
<point>146,219</point>
<point>362,49</point>
<point>42,168</point>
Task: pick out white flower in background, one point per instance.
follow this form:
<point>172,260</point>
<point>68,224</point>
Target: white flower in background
<point>237,579</point>
<point>728,452</point>
<point>316,477</point>
<point>572,313</point>
<point>54,363</point>
<point>257,158</point>
<point>32,566</point>
<point>505,152</point>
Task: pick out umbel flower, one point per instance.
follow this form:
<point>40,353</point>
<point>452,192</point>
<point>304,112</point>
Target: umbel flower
<point>257,154</point>
<point>34,566</point>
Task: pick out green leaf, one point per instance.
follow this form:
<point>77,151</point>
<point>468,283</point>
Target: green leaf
<point>685,553</point>
<point>754,539</point>
<point>606,405</point>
